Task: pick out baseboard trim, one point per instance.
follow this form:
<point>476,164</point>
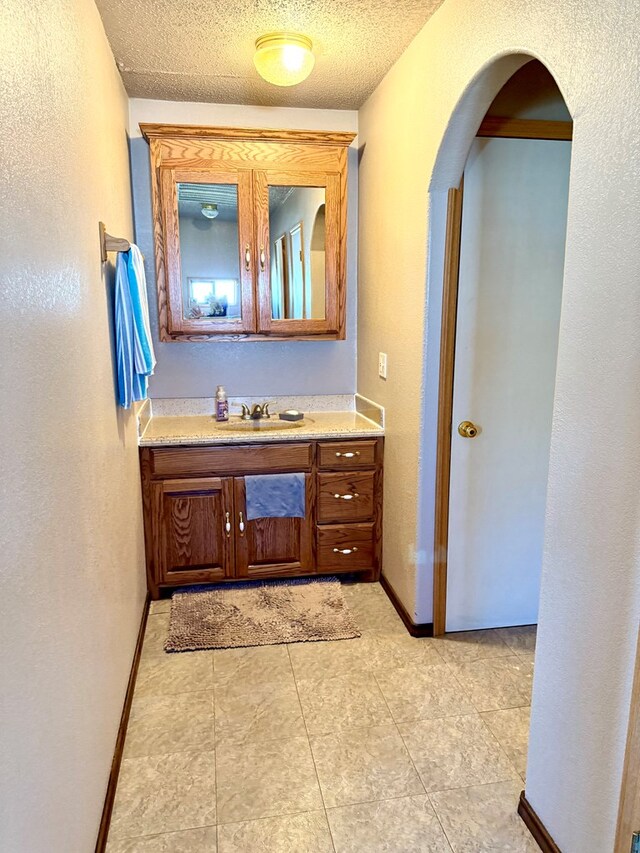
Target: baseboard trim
<point>416,629</point>
<point>107,809</point>
<point>535,826</point>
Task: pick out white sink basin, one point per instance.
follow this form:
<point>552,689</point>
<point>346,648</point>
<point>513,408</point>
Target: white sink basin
<point>237,424</point>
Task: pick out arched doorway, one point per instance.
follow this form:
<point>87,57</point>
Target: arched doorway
<point>315,297</point>
<point>501,313</point>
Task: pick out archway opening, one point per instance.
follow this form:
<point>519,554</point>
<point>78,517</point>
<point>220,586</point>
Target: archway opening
<point>316,282</point>
<point>498,246</point>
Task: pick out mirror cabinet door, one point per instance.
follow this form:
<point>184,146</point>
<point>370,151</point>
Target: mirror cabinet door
<point>298,227</point>
<point>209,256</point>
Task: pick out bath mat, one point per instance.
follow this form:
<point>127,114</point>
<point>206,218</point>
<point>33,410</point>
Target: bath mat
<point>260,614</point>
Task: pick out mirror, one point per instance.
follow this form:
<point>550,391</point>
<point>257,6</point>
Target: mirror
<point>297,234</point>
<point>209,251</point>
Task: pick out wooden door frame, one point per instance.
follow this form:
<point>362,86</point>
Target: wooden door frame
<point>491,127</point>
<point>445,406</point>
<point>629,807</point>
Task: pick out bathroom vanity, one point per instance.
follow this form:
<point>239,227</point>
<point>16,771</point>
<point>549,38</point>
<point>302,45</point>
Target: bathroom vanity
<point>193,486</point>
<point>250,232</point>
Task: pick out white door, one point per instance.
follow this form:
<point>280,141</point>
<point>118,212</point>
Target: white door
<point>297,273</point>
<point>510,288</point>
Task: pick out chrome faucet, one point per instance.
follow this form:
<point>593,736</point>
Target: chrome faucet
<point>256,413</point>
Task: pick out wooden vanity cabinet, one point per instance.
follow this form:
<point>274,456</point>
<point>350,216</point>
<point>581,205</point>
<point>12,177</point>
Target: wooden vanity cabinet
<point>250,232</point>
<point>270,547</point>
<point>191,523</point>
<point>196,527</point>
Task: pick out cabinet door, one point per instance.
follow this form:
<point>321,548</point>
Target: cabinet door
<point>301,245</point>
<point>273,546</point>
<point>193,529</point>
<point>208,228</point>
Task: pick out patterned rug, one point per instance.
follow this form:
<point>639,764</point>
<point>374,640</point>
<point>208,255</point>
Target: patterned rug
<point>260,614</point>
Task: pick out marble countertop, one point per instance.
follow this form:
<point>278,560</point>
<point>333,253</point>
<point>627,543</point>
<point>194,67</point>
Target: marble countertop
<point>203,429</point>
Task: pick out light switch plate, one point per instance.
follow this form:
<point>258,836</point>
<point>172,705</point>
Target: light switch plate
<point>382,365</point>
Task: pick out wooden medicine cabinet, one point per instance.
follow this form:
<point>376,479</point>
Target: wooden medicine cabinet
<point>250,232</point>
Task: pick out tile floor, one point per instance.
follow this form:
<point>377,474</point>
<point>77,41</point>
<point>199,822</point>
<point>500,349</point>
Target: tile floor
<point>383,744</point>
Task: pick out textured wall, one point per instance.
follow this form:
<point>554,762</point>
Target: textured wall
<point>267,368</point>
<point>71,564</point>
<point>441,87</point>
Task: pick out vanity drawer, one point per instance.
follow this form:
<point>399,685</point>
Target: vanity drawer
<point>348,454</point>
<point>346,497</point>
<point>346,548</point>
<point>238,460</point>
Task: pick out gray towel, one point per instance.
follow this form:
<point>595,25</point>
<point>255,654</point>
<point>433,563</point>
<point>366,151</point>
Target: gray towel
<point>275,496</point>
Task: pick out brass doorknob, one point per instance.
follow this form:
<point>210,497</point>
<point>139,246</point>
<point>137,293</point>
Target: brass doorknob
<point>467,429</point>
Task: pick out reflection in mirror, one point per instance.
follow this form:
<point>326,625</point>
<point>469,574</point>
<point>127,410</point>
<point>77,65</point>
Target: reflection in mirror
<point>297,234</point>
<point>209,251</point>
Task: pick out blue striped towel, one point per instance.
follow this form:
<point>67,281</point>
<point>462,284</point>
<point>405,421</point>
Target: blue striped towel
<point>134,349</point>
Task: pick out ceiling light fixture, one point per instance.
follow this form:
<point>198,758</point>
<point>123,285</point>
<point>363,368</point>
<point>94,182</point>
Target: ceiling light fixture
<point>210,211</point>
<point>284,59</point>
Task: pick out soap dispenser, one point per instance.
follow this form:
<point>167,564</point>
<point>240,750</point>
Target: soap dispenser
<point>222,404</point>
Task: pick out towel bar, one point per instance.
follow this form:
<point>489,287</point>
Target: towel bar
<point>111,244</point>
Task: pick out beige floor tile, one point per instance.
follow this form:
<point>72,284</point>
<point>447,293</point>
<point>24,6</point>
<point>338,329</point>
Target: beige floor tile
<point>323,660</point>
<point>497,683</point>
<point>174,723</point>
<point>511,728</point>
<point>164,793</point>
<point>175,673</point>
<point>404,825</point>
<point>455,752</point>
<point>267,778</point>
<point>468,646</point>
<point>253,666</point>
<point>360,765</point>
<point>342,701</point>
<point>385,652</point>
<point>300,833</point>
<point>189,841</point>
<point>162,605</point>
<point>359,590</point>
<point>268,797</point>
<point>155,635</point>
<point>521,640</point>
<point>483,819</point>
<point>374,613</point>
<point>423,693</point>
<point>266,712</point>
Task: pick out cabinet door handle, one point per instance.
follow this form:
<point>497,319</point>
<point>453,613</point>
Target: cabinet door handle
<point>348,455</point>
<point>345,551</point>
<point>227,525</point>
<point>247,258</point>
<point>347,497</point>
<point>241,525</point>
<point>263,258</point>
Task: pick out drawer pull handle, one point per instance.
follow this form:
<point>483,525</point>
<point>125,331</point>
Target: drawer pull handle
<point>347,497</point>
<point>241,525</point>
<point>227,525</point>
<point>345,551</point>
<point>348,455</point>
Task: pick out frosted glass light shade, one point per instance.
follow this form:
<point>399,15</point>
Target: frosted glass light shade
<point>284,59</point>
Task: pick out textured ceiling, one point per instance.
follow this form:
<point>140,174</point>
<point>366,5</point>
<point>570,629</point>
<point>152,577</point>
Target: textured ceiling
<point>191,197</point>
<point>202,50</point>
